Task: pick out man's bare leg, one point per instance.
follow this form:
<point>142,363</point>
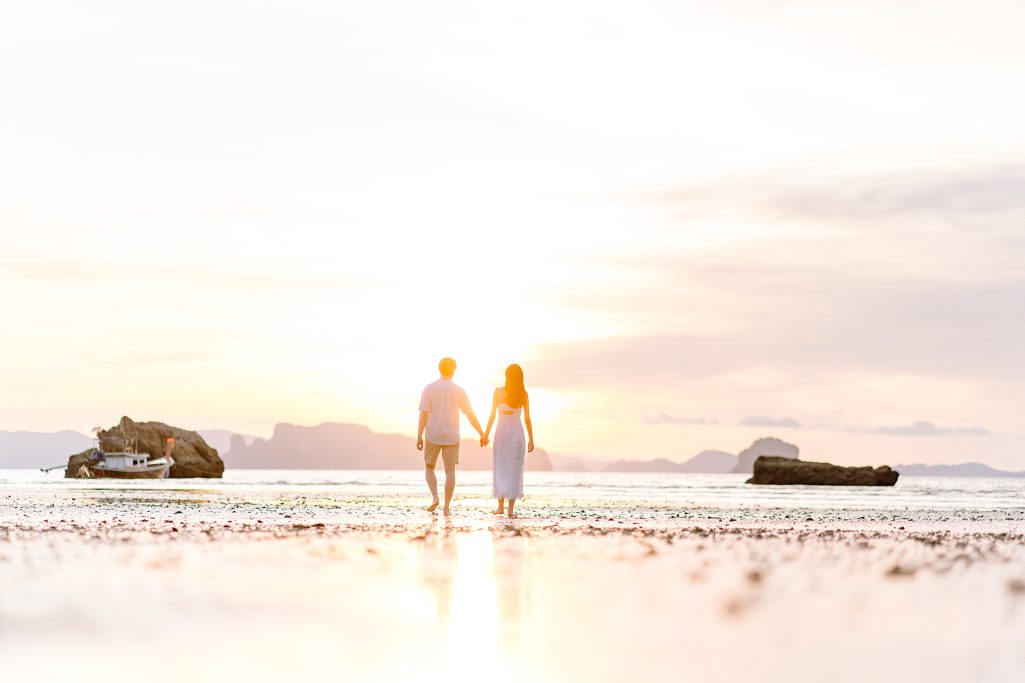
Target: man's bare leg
<point>450,484</point>
<point>432,484</point>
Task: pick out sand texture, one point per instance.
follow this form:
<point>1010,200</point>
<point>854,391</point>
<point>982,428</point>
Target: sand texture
<point>204,584</point>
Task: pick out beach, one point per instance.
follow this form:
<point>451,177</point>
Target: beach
<point>267,575</point>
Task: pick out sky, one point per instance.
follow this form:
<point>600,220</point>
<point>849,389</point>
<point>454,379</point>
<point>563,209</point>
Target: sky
<point>692,223</point>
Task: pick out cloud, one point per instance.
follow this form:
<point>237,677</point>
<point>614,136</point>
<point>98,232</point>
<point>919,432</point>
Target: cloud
<point>761,316</point>
<point>148,271</point>
<point>970,431</point>
<point>762,421</point>
<point>932,294</point>
<point>922,428</point>
<point>979,197</point>
<point>666,419</point>
<point>913,429</point>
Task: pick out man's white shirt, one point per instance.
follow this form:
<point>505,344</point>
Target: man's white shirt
<point>444,399</point>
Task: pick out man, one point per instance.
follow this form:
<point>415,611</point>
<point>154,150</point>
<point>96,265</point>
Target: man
<point>440,404</point>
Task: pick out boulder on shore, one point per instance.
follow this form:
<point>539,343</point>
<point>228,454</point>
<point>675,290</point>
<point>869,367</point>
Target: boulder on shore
<point>772,470</point>
<point>193,457</point>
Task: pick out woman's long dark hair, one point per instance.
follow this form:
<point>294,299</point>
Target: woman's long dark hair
<point>515,391</point>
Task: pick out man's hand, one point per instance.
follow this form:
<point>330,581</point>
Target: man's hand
<point>530,446</point>
<point>484,441</point>
<point>420,443</point>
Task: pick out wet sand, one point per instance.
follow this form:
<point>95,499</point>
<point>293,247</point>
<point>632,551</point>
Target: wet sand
<point>165,585</point>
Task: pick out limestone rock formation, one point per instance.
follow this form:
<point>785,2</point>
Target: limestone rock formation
<point>352,447</point>
<point>765,446</point>
<point>775,470</point>
<point>193,457</point>
<point>712,462</point>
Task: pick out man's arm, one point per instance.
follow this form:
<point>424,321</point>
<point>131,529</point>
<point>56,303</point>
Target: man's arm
<point>420,430</point>
<point>476,425</point>
<point>464,405</point>
<point>425,411</point>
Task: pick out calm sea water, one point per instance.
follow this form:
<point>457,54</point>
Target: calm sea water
<point>629,489</point>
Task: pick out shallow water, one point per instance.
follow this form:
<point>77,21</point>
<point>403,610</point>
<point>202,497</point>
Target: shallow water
<point>627,497</point>
<point>977,493</point>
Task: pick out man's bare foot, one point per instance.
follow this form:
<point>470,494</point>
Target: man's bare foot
<point>433,506</point>
<point>446,512</point>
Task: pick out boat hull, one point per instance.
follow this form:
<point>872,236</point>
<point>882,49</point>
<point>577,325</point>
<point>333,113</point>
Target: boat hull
<point>101,473</point>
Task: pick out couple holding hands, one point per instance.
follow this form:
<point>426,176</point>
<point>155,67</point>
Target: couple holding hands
<point>438,434</point>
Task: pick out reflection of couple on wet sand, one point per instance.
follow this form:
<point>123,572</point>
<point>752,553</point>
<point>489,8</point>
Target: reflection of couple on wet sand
<point>499,570</point>
<point>438,434</point>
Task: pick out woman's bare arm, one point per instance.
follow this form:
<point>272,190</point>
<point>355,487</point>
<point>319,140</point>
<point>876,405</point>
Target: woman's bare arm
<point>491,420</point>
<point>526,420</point>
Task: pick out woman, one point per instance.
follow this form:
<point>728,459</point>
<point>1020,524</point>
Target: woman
<point>509,402</point>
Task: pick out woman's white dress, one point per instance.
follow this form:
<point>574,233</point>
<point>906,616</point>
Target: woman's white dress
<point>509,451</point>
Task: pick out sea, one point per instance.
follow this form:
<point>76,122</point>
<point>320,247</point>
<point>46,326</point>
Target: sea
<point>629,495</point>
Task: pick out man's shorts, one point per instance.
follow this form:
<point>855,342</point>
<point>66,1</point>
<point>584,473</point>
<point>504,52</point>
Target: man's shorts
<point>449,454</point>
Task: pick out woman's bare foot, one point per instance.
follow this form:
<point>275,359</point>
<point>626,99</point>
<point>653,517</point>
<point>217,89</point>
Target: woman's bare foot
<point>433,506</point>
<point>512,515</point>
<point>499,511</point>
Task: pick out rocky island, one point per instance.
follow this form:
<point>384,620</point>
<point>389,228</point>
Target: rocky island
<point>775,470</point>
<point>193,457</point>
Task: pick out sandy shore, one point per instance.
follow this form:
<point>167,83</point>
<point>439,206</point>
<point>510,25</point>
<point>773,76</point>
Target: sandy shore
<point>248,585</point>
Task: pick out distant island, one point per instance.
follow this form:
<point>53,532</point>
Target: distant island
<point>709,462</point>
<point>351,446</point>
<point>712,462</point>
<point>967,469</point>
<point>22,450</point>
<point>770,446</point>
